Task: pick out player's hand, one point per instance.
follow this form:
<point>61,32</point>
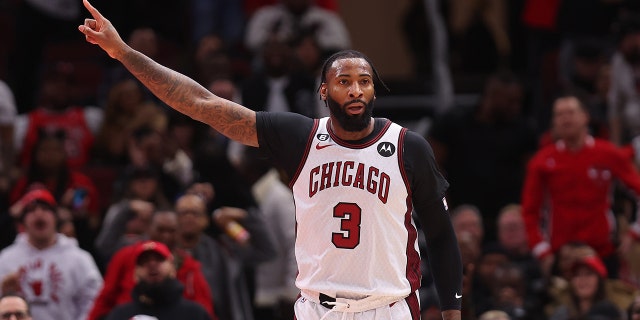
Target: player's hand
<point>101,32</point>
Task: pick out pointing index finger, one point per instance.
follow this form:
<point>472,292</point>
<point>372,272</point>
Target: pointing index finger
<point>94,12</point>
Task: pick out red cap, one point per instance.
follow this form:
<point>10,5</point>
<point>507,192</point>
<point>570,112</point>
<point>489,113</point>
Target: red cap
<point>592,262</point>
<point>157,247</point>
<point>40,195</point>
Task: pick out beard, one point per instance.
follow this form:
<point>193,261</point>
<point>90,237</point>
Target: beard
<point>160,293</point>
<point>348,122</point>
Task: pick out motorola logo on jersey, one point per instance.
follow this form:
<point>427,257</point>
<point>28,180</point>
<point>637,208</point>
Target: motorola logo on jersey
<point>322,136</point>
<point>386,149</point>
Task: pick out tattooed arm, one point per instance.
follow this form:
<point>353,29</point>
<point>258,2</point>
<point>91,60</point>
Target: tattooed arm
<point>176,90</point>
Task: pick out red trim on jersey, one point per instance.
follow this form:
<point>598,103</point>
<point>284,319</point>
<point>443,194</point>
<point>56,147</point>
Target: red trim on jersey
<point>314,130</point>
<point>312,134</point>
<point>414,305</point>
<point>400,151</point>
<point>357,146</point>
<point>413,272</point>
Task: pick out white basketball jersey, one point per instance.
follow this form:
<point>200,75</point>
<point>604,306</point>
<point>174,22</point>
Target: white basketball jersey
<point>355,234</point>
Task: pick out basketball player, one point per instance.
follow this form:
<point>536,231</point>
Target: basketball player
<point>355,179</point>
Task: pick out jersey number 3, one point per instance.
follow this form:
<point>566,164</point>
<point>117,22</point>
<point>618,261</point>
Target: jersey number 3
<point>350,218</point>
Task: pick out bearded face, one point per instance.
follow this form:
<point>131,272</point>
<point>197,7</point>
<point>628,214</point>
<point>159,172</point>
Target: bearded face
<point>351,123</point>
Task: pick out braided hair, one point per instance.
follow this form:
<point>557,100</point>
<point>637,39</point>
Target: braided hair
<point>348,54</point>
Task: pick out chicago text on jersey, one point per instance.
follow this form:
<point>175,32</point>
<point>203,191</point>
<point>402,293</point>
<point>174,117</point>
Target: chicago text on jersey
<point>349,174</point>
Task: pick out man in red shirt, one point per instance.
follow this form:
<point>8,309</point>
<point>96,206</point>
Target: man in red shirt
<point>57,112</point>
<point>119,277</point>
<point>570,182</point>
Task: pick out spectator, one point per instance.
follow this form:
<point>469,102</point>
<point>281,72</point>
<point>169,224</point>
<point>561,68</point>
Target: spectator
<point>8,113</point>
<point>8,170</point>
<point>512,238</point>
<point>119,278</point>
<point>574,176</point>
<point>624,97</point>
<point>494,15</point>
<point>58,279</point>
<point>14,306</point>
<point>144,39</point>
<point>587,293</point>
<point>74,191</point>
<point>483,280</point>
<point>157,292</point>
<point>276,87</point>
<point>224,260</point>
<point>127,219</point>
<point>415,28</point>
<point>587,76</point>
<point>57,111</point>
<point>126,110</point>
<point>559,286</point>
<point>286,19</point>
<point>467,221</point>
<point>276,292</point>
<point>183,138</point>
<point>509,293</point>
<point>224,18</point>
<point>542,41</point>
<point>309,57</point>
<point>512,234</point>
<point>38,23</point>
<point>563,261</point>
<point>499,139</point>
<point>212,61</point>
<point>250,6</point>
<point>214,157</point>
<point>148,148</point>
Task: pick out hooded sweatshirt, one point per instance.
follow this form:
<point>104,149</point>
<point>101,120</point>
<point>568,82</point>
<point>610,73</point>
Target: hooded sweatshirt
<point>163,301</point>
<point>59,282</point>
<point>119,282</point>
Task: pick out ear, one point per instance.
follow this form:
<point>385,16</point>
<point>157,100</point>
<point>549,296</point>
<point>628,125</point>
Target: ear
<point>323,91</point>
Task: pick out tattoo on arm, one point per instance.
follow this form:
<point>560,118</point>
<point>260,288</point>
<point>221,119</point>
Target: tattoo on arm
<point>187,96</point>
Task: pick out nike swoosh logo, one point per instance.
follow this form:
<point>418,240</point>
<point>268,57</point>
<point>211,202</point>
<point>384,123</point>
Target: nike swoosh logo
<point>318,146</point>
<point>458,296</point>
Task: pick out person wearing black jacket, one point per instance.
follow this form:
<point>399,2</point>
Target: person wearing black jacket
<point>158,293</point>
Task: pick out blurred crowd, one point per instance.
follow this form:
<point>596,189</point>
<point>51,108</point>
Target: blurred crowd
<point>111,202</point>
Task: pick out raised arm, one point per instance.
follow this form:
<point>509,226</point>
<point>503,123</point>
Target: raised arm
<point>173,88</point>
